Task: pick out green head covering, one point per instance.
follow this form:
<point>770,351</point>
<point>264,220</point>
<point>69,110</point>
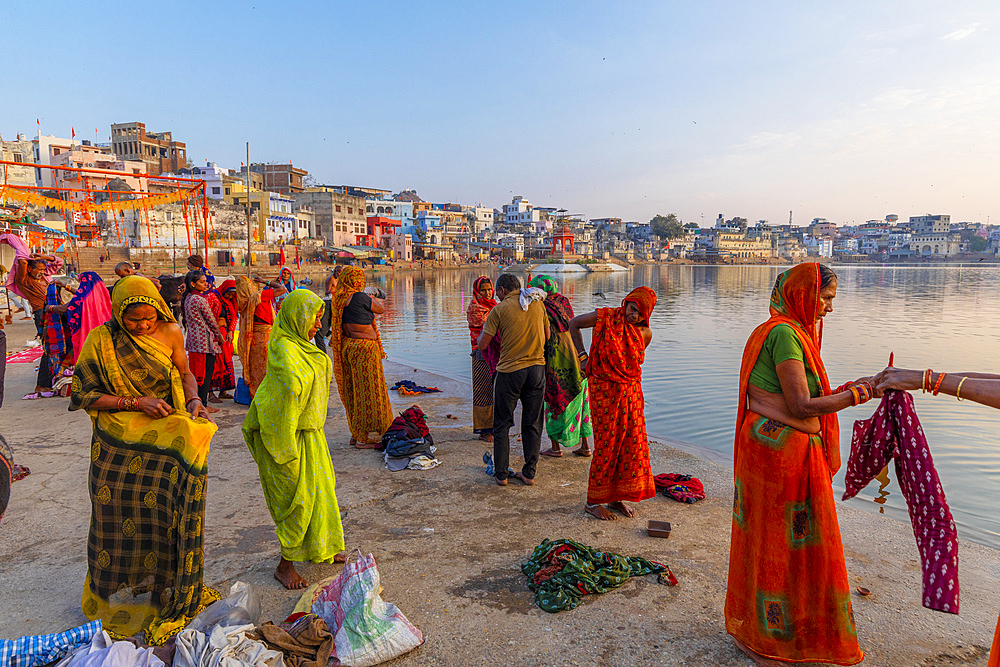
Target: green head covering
<point>544,282</point>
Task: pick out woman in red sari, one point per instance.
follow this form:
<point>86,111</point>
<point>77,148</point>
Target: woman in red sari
<point>620,469</point>
<point>227,313</point>
<point>788,597</point>
<point>480,305</point>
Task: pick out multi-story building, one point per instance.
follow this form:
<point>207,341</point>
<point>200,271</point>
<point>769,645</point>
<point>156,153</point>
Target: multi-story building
<point>930,224</point>
<point>401,247</point>
<point>306,221</point>
<point>158,150</point>
<point>521,212</point>
<point>47,147</point>
<point>284,179</point>
<point>483,219</point>
<point>936,244</point>
<point>340,217</point>
<point>20,150</point>
<point>215,178</point>
<point>730,243</point>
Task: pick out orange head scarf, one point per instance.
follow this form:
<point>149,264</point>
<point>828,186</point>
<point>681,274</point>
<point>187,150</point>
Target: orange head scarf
<point>351,280</point>
<point>795,301</point>
<point>645,299</point>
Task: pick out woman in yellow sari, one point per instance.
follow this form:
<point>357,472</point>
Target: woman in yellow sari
<point>356,348</point>
<point>148,469</point>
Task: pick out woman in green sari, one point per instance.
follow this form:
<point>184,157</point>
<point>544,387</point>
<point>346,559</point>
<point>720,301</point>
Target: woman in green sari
<point>148,469</point>
<point>284,432</point>
<point>567,401</point>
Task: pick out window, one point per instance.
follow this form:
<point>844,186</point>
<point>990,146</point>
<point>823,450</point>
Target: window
<point>228,191</point>
<point>338,208</point>
<point>216,191</point>
<point>18,157</point>
<point>350,210</point>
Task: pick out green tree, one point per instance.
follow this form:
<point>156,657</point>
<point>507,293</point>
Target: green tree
<point>667,226</point>
<point>691,227</point>
<point>977,244</point>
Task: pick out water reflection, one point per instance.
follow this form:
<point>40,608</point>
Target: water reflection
<point>883,483</point>
<point>939,317</point>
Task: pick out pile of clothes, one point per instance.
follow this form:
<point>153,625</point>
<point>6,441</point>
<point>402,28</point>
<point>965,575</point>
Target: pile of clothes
<point>411,388</point>
<point>563,571</point>
<point>408,442</point>
<point>226,634</point>
<point>682,488</point>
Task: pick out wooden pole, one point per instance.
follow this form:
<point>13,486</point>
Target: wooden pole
<point>249,234</point>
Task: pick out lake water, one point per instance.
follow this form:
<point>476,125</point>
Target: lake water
<point>939,317</point>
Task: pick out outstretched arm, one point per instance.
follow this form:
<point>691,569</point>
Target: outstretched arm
<point>980,388</point>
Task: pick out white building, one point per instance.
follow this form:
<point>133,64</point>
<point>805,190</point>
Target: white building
<point>48,146</point>
<point>281,221</point>
<point>520,212</point>
<point>211,173</point>
<point>484,219</point>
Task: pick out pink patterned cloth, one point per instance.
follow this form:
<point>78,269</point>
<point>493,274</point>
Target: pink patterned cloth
<point>95,311</point>
<point>895,432</point>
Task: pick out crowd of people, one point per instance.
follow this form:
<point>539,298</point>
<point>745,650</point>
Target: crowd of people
<point>148,386</point>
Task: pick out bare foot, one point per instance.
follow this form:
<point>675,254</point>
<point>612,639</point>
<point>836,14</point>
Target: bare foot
<point>501,482</point>
<point>757,657</point>
<point>212,398</point>
<point>527,481</point>
<point>554,452</point>
<point>225,395</point>
<point>288,577</point>
<point>622,509</point>
<point>600,512</point>
<point>583,451</point>
<point>341,557</point>
<point>211,409</point>
<point>486,437</point>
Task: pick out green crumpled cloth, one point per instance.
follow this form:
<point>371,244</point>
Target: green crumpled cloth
<point>563,571</point>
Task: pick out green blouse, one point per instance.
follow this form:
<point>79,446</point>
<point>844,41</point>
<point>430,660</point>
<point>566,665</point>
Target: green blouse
<point>780,345</point>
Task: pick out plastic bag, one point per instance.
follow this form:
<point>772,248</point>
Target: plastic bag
<point>240,607</point>
<point>367,630</point>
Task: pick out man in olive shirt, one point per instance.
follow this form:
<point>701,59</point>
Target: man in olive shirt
<point>520,375</point>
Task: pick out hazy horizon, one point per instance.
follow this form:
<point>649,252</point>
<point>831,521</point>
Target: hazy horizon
<point>848,112</point>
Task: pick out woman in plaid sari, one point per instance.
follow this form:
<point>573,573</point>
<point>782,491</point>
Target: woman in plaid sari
<point>148,469</point>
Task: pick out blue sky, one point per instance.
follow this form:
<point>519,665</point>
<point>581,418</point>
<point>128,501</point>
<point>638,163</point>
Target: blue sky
<point>848,110</point>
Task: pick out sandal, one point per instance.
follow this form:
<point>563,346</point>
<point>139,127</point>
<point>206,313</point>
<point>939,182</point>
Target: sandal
<point>35,395</point>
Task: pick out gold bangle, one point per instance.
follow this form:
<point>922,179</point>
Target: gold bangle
<point>958,392</point>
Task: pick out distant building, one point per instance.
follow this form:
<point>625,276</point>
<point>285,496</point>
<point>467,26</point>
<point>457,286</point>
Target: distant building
<point>930,224</point>
<point>20,150</point>
<point>340,217</point>
<point>284,179</point>
<point>483,219</point>
<point>520,212</point>
<point>158,150</point>
<point>401,247</point>
<point>215,178</point>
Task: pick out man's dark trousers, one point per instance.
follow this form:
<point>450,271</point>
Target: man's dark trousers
<point>528,385</point>
<point>44,370</point>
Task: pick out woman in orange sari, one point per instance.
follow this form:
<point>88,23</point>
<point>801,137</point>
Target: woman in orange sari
<point>356,348</point>
<point>620,469</point>
<point>788,597</point>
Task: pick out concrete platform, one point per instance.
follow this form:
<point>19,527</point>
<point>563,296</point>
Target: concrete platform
<point>449,544</point>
